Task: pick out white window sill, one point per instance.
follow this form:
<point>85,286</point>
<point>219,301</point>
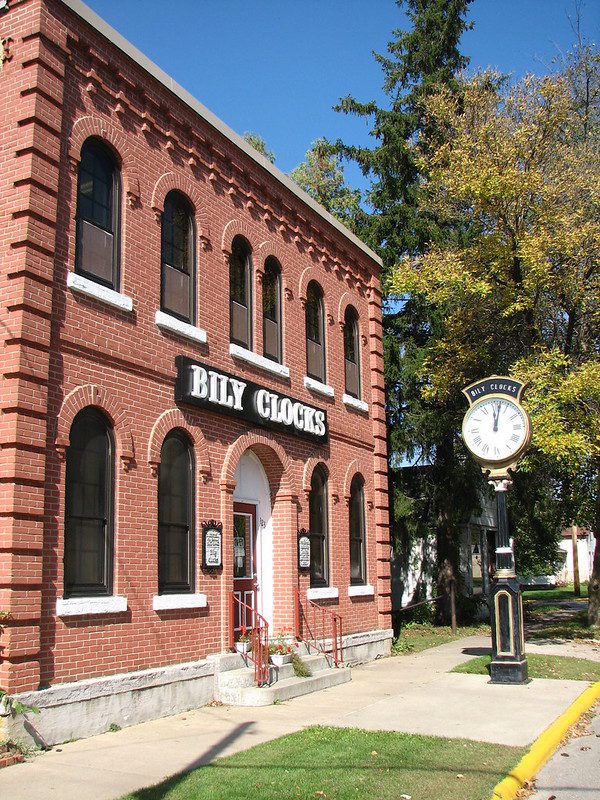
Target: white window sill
<point>83,606</point>
<point>165,602</point>
<point>169,323</point>
<point>355,403</point>
<point>258,361</point>
<point>92,289</point>
<point>322,593</point>
<point>318,387</point>
<point>361,591</point>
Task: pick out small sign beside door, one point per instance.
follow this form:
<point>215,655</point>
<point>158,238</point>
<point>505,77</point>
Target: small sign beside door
<point>303,549</point>
<point>212,544</point>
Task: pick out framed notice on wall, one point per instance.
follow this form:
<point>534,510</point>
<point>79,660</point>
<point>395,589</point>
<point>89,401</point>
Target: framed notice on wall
<point>212,544</point>
<point>303,549</point>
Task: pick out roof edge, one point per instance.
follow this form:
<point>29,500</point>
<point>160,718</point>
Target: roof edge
<point>106,30</point>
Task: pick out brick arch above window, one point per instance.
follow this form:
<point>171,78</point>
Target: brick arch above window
<point>97,396</point>
<point>309,468</point>
<point>168,420</point>
<point>311,274</point>
<point>354,468</point>
<point>274,249</point>
<point>250,441</point>
<point>235,227</point>
<point>84,128</point>
<point>172,181</point>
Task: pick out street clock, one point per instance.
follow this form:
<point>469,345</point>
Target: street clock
<point>496,428</point>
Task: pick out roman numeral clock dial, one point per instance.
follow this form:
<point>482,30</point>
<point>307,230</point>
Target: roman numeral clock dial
<point>496,430</point>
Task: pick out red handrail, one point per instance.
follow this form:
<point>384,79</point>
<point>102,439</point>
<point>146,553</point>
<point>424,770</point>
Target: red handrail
<point>259,638</point>
<point>315,624</point>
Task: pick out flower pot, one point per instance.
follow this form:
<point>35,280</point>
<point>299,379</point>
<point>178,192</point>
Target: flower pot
<point>242,647</point>
<point>279,659</point>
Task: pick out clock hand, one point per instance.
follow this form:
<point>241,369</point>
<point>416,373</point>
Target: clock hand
<point>496,414</point>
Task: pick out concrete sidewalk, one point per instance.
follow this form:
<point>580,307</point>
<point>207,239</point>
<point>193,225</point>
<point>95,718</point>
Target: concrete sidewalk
<point>412,694</point>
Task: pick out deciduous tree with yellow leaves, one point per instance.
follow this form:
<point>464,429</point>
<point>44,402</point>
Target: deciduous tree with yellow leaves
<point>517,288</point>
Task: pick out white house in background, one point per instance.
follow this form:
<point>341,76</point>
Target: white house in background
<point>586,542</point>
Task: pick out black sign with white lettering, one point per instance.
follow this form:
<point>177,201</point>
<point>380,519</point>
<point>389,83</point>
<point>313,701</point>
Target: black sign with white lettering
<point>212,544</point>
<point>211,388</point>
<point>303,549</point>
<point>496,384</point>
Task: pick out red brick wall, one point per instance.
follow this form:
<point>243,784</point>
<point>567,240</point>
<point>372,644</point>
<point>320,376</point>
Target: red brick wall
<point>63,351</point>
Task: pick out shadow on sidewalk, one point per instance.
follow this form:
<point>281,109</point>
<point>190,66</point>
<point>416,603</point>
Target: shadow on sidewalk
<point>477,651</point>
<point>213,752</point>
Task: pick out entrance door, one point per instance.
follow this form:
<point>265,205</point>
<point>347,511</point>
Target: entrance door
<point>244,566</point>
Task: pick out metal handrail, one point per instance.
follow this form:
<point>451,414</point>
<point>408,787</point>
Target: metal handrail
<point>309,612</point>
<point>259,639</point>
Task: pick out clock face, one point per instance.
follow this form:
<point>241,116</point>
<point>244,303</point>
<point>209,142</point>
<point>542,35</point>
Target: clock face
<point>495,429</point>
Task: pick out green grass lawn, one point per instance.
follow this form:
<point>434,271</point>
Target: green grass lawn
<point>344,764</point>
<point>556,593</point>
<point>558,667</point>
<point>574,628</point>
<point>415,637</point>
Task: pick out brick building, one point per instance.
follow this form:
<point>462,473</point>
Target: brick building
<point>187,338</point>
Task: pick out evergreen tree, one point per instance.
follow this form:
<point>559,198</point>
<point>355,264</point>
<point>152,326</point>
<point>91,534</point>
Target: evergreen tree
<point>417,63</point>
<point>321,175</point>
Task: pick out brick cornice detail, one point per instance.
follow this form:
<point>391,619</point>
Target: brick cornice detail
<point>170,181</point>
<point>93,395</point>
<point>167,421</point>
<point>247,441</point>
<point>88,126</point>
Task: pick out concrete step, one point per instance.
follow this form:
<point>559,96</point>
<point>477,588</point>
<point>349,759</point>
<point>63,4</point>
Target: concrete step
<point>287,688</point>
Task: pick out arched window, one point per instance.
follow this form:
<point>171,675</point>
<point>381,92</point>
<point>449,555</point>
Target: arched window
<point>89,506</point>
<point>317,504</point>
<point>175,516</point>
<point>97,218</point>
<point>357,531</point>
<point>351,352</point>
<point>315,332</point>
<point>272,309</point>
<point>240,293</point>
<point>177,258</point>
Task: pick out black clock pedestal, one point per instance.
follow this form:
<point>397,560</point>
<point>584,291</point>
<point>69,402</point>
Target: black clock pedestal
<point>509,663</point>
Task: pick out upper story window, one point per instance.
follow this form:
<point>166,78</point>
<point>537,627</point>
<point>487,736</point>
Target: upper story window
<point>89,506</point>
<point>97,219</point>
<point>351,352</point>
<point>175,515</point>
<point>240,293</point>
<point>315,332</point>
<point>177,258</point>
<point>318,526</point>
<point>272,310</point>
<point>357,531</point>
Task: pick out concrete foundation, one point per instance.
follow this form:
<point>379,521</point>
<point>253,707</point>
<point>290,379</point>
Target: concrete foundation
<point>86,708</point>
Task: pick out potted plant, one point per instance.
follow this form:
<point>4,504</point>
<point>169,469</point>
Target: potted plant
<point>242,645</point>
<point>281,649</point>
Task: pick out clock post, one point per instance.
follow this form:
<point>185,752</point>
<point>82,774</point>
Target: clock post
<point>496,430</point>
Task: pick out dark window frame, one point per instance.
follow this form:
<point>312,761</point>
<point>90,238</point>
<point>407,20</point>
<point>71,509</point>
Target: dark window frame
<point>272,268</point>
<point>73,585</point>
<point>357,506</point>
<point>172,198</point>
<point>186,586</point>
<point>243,245</point>
<point>351,359</point>
<point>315,330</point>
<point>113,228</point>
<point>319,526</point>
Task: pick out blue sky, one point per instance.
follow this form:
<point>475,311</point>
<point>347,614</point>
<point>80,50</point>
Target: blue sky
<point>277,67</point>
